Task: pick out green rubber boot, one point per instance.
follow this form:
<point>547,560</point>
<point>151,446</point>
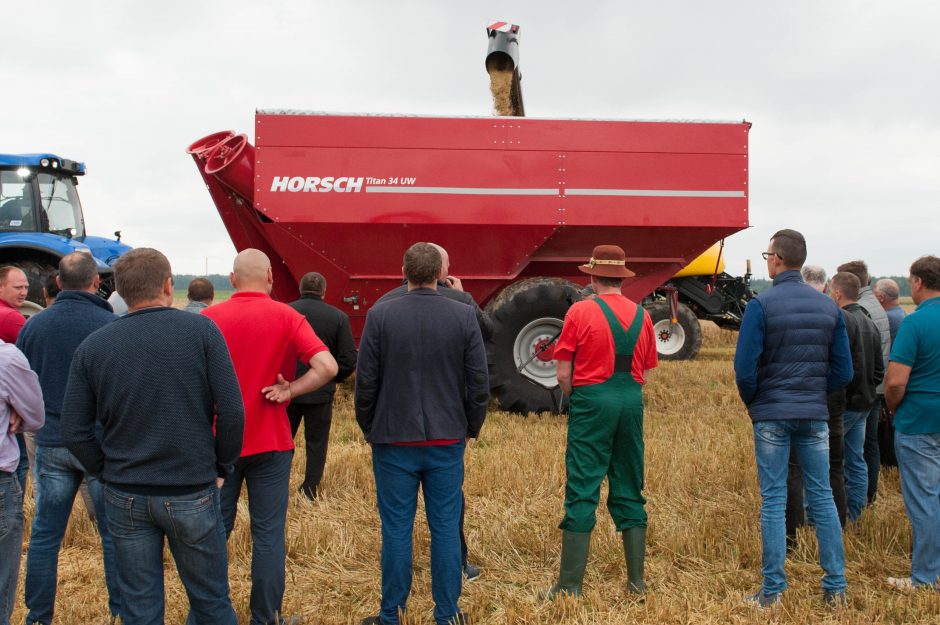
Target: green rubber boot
<point>634,548</point>
<point>575,547</point>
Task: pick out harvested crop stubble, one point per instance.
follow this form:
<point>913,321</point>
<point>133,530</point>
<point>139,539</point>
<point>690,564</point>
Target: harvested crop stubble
<point>704,551</point>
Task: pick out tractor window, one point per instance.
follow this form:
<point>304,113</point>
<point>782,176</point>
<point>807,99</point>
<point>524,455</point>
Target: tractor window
<point>16,203</point>
<point>60,201</point>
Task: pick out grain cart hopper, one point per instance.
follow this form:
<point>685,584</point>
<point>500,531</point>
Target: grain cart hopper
<point>41,221</point>
<point>701,290</point>
<point>518,203</point>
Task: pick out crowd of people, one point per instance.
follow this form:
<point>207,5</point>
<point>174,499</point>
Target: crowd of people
<point>161,416</point>
<point>818,375</point>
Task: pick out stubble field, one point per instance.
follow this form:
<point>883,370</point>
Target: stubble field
<point>704,535</point>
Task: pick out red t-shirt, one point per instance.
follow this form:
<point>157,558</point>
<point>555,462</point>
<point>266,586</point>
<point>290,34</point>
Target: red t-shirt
<point>11,322</point>
<point>586,339</point>
<point>264,338</point>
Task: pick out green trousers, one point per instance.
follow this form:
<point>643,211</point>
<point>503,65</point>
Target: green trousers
<point>605,438</point>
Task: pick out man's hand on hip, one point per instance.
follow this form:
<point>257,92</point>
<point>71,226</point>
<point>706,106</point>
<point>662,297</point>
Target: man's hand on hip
<point>278,392</point>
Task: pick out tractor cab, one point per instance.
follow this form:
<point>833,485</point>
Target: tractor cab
<point>41,220</point>
<point>38,194</point>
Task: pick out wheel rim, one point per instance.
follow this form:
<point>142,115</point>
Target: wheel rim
<point>535,334</point>
<point>670,337</point>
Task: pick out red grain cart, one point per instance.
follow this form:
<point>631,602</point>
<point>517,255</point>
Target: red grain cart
<point>517,202</point>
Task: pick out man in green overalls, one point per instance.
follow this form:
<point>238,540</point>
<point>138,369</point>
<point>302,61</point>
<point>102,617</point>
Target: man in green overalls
<point>605,348</point>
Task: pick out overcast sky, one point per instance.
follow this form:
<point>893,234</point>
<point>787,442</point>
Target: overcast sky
<point>843,95</point>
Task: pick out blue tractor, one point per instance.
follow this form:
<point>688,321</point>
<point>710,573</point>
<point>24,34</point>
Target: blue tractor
<point>41,220</point>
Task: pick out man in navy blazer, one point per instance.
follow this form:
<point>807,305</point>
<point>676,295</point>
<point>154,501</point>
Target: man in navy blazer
<point>421,390</point>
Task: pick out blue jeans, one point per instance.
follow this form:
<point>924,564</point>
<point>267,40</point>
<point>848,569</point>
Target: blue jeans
<point>192,524</point>
<point>856,469</point>
<point>398,473</point>
<point>11,541</point>
<point>772,440</point>
<point>57,477</point>
<point>267,477</point>
<point>919,463</point>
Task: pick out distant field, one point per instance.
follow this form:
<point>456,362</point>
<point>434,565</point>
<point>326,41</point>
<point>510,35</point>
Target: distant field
<point>704,532</point>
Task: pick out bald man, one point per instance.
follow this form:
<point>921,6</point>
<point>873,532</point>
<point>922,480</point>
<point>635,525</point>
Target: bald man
<point>266,339</point>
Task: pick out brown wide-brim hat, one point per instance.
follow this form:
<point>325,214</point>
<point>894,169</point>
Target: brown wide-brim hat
<point>608,261</point>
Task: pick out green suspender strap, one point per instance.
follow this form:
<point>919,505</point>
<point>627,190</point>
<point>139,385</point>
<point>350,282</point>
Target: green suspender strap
<point>624,341</point>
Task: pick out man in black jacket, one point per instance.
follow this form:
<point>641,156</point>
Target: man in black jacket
<point>421,390</point>
<point>316,409</point>
<point>860,394</point>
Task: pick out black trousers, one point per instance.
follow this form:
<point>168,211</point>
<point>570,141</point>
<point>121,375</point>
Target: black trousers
<point>795,515</point>
<point>317,419</point>
<point>886,438</point>
<point>872,451</point>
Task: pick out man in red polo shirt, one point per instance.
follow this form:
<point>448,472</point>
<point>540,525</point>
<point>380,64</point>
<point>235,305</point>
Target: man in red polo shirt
<point>13,289</point>
<point>606,346</point>
<point>266,339</point>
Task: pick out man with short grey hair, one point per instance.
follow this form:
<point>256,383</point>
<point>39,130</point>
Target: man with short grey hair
<point>815,276</point>
<point>887,293</point>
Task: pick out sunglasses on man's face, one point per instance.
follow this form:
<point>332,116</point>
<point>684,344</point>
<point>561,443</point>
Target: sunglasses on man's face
<point>767,255</point>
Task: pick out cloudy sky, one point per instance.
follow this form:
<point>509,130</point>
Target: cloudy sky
<point>843,95</point>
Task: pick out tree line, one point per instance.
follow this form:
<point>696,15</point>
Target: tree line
<point>904,285</point>
<point>219,282</point>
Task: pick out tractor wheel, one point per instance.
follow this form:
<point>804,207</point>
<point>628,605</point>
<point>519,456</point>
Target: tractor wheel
<point>37,273</point>
<point>679,341</point>
<point>526,317</point>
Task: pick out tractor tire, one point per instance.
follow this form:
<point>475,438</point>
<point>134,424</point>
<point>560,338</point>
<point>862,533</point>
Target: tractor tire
<point>526,315</point>
<point>680,341</point>
<point>37,273</point>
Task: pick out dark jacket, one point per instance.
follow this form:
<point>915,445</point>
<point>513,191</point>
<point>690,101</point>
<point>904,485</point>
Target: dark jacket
<point>867,361</point>
<point>161,383</point>
<point>49,340</point>
<point>792,351</point>
<point>485,323</point>
<point>422,370</point>
<point>332,327</point>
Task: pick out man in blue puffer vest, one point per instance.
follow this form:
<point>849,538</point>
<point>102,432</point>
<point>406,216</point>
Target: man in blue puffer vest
<point>792,351</point>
